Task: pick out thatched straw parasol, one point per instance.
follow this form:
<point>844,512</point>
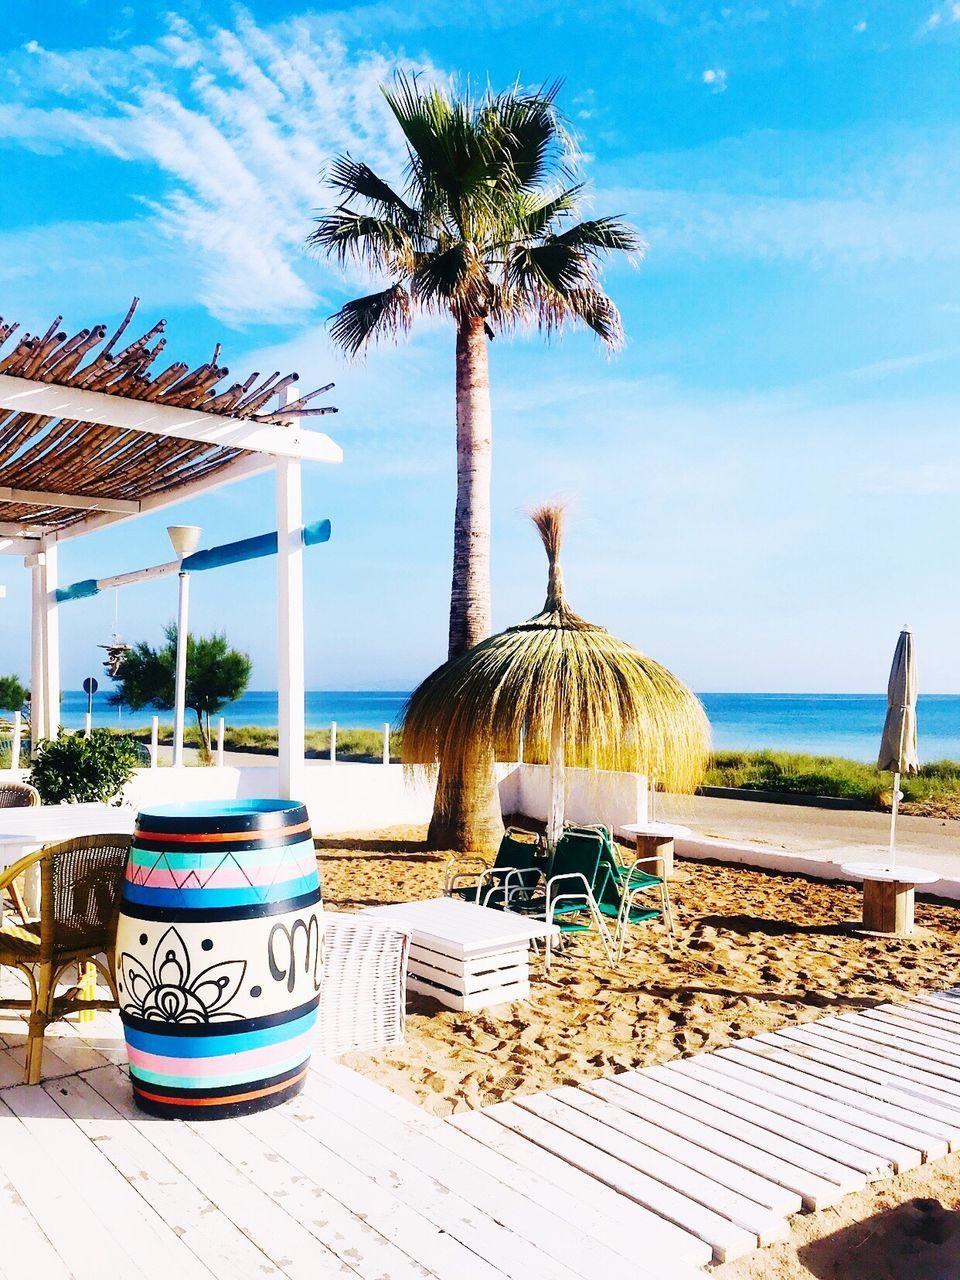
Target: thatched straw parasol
<point>575,695</point>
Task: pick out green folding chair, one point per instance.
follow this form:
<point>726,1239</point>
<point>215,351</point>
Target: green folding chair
<point>509,883</point>
<point>626,890</point>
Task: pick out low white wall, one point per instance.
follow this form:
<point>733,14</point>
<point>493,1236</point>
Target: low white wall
<point>591,796</point>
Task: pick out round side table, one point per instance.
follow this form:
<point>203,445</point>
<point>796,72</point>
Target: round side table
<point>655,840</point>
<point>888,894</point>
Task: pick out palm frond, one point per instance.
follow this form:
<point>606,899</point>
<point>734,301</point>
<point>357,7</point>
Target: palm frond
<point>549,265</point>
<point>384,314</point>
<point>456,277</point>
<point>529,135</point>
<point>602,235</point>
<point>598,311</point>
<point>354,180</point>
<point>345,234</point>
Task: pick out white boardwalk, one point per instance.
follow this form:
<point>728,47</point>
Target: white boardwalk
<point>648,1175</point>
<point>724,1146</point>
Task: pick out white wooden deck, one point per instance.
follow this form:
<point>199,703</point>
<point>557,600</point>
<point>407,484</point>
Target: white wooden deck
<point>652,1173</point>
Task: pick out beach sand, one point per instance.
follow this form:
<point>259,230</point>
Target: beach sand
<point>754,950</point>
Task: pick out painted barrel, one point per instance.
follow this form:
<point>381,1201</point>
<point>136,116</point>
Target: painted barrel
<point>219,956</point>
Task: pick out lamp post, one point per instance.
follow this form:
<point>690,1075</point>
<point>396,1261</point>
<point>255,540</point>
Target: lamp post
<point>184,539</point>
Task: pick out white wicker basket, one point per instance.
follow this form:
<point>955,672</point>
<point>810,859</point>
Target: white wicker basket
<point>364,992</point>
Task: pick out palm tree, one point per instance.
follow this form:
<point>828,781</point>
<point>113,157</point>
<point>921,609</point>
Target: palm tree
<point>482,231</point>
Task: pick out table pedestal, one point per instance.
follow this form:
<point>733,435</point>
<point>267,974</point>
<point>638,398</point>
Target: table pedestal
<point>661,848</point>
<point>888,906</point>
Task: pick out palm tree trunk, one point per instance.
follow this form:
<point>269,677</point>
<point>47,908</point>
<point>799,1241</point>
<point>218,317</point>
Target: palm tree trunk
<point>470,591</point>
<point>204,737</point>
<point>466,814</point>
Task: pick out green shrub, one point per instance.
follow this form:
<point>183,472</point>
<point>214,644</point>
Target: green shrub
<point>74,769</point>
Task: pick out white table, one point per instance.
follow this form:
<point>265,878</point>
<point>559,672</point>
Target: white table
<point>466,957</point>
<point>888,893</point>
<point>24,830</point>
<point>655,840</point>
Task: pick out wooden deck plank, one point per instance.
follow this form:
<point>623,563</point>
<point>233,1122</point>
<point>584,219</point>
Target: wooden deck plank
<point>373,1202</point>
<point>186,1211</point>
<point>533,1232</point>
<point>622,1135</point>
<point>942,1075</point>
<point>664,1233</point>
<point>357,1245</point>
<point>927,1109</point>
<point>860,1061</point>
<point>908,1020</point>
<point>125,1214</point>
<point>779,1074</point>
<point>290,1249</point>
<point>843,1123</point>
<point>582,1199</point>
<point>21,1237</point>
<point>589,1251</point>
<point>76,1229</point>
<point>780,1158</point>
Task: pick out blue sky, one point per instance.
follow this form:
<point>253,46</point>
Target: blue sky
<point>764,485</point>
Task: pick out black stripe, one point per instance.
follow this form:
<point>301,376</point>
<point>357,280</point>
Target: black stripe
<point>242,1026</point>
<point>273,839</point>
<point>171,1111</point>
<point>199,824</point>
<point>203,915</point>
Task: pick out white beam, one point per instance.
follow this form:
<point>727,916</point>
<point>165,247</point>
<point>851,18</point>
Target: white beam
<point>18,546</point>
<point>24,395</point>
<point>251,464</point>
<point>13,529</point>
<point>82,502</point>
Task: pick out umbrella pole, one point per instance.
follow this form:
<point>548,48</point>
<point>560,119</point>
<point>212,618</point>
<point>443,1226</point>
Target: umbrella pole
<point>557,785</point>
<point>893,819</point>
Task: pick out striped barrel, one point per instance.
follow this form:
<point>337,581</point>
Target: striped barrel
<point>219,956</point>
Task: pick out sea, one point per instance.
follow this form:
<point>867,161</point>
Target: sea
<point>837,724</point>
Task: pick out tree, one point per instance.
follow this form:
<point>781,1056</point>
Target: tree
<point>482,232</point>
<point>13,693</point>
<point>216,675</point>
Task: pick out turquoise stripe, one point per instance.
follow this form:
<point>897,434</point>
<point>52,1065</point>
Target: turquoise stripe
<point>178,860</point>
<point>151,896</point>
<point>138,1074</point>
<point>174,1046</point>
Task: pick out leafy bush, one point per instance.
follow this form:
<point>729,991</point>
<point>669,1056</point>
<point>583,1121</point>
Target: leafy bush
<point>13,693</point>
<point>76,770</point>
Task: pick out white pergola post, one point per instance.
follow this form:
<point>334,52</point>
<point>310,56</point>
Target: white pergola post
<point>290,648</point>
<point>38,715</point>
<point>51,639</point>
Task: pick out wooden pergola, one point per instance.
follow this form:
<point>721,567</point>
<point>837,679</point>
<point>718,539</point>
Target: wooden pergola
<point>91,436</point>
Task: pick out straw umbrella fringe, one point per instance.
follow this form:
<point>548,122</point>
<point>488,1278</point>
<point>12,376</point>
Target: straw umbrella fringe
<point>577,696</point>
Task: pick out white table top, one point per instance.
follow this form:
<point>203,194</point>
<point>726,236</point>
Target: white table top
<point>668,830</point>
<point>462,928</point>
<point>883,871</point>
<point>22,830</point>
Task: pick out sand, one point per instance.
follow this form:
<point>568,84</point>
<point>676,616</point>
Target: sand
<point>754,950</point>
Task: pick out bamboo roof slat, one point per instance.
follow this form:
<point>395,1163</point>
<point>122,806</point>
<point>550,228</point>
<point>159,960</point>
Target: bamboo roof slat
<point>85,459</point>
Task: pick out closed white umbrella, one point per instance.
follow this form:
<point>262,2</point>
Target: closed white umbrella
<point>898,745</point>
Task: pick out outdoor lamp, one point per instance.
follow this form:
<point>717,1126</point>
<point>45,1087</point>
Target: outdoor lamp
<point>184,539</point>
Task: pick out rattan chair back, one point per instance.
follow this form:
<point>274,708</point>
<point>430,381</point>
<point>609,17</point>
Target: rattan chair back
<point>80,885</point>
<point>18,795</point>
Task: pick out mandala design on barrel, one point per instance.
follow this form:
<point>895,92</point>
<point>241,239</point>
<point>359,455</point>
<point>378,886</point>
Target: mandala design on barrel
<point>171,993</point>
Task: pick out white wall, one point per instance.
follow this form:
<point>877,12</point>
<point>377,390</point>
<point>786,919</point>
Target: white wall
<point>591,796</point>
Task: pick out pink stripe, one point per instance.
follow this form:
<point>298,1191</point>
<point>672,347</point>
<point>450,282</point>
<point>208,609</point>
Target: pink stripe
<point>229,877</point>
<point>225,1064</point>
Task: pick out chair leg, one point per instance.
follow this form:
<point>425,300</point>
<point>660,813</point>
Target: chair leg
<point>39,1017</point>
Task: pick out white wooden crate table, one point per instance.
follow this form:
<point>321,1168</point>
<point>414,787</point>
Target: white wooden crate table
<point>24,830</point>
<point>655,840</point>
<point>466,957</point>
<point>888,894</point>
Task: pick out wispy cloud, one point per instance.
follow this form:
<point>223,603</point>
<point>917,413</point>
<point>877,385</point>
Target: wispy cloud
<point>715,78</point>
<point>240,122</point>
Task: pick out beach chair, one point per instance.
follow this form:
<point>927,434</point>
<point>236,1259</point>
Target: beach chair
<point>575,882</point>
<point>515,874</point>
<point>623,893</point>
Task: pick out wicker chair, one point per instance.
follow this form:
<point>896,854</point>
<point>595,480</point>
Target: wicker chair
<point>18,795</point>
<point>80,884</point>
<point>364,992</point>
